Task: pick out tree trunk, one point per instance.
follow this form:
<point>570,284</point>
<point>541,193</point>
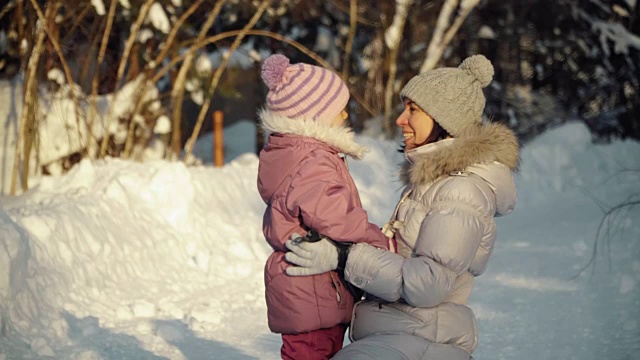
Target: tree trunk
<point>393,37</point>
<point>445,31</point>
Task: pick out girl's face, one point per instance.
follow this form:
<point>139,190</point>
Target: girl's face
<point>340,119</point>
<point>416,125</point>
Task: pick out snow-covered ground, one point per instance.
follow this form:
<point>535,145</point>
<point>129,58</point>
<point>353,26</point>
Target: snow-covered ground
<point>122,260</point>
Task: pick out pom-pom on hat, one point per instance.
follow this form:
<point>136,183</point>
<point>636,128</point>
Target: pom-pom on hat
<point>453,96</point>
<point>302,90</point>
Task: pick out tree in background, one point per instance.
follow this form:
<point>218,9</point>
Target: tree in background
<point>581,62</point>
<point>168,56</point>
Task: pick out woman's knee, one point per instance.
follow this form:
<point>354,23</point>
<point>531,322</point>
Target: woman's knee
<point>400,347</point>
<point>391,347</point>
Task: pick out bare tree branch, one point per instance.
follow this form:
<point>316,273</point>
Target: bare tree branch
<point>94,83</point>
<point>606,223</point>
<point>28,100</point>
<point>393,37</point>
<point>216,76</point>
<point>8,7</point>
<point>65,65</point>
<point>176,27</point>
<point>218,37</point>
<point>443,33</point>
<point>144,10</point>
<point>353,23</point>
<point>177,93</point>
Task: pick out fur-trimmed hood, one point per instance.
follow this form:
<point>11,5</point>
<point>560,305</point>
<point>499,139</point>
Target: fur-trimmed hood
<point>341,138</point>
<point>490,152</point>
<point>492,142</point>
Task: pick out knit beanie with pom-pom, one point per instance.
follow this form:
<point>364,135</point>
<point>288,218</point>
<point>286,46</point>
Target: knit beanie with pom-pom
<point>453,96</point>
<point>303,91</point>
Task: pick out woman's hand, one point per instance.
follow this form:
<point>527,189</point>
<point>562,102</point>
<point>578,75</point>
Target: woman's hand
<point>311,257</point>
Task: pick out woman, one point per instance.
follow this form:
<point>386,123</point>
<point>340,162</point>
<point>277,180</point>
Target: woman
<point>458,177</point>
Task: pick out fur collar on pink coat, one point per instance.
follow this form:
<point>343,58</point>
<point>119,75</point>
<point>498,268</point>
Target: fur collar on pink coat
<point>341,138</point>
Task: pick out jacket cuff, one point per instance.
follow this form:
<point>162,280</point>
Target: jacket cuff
<point>374,270</point>
<point>356,269</point>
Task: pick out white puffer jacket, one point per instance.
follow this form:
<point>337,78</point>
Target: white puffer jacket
<point>445,229</point>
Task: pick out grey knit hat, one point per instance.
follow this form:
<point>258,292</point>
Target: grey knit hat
<point>453,96</point>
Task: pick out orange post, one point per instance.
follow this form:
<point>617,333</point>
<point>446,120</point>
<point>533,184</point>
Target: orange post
<point>218,142</point>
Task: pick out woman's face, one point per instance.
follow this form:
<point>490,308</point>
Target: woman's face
<point>416,125</point>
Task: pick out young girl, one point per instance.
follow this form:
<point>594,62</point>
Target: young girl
<point>459,176</point>
<point>304,181</point>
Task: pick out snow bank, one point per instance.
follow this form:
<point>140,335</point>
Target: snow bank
<point>565,159</point>
<point>121,241</point>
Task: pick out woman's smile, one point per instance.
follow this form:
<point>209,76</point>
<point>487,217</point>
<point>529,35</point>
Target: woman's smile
<point>416,125</point>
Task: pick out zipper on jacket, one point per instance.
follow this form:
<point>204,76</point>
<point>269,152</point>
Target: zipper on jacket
<point>335,287</point>
<point>343,156</point>
<point>389,229</point>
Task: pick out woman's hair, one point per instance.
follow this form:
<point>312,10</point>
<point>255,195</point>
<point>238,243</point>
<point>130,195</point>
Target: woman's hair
<point>437,133</point>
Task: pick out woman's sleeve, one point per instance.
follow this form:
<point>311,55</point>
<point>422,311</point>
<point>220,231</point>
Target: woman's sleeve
<point>447,243</point>
<point>326,204</point>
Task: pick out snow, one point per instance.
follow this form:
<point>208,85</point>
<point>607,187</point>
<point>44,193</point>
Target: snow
<point>60,133</point>
<point>622,39</point>
<point>157,260</point>
<point>99,6</point>
<point>244,57</point>
<point>619,10</point>
<point>486,32</point>
<point>203,65</point>
<point>158,18</point>
<point>163,125</point>
<point>324,40</point>
<point>239,138</point>
<point>144,35</point>
<point>393,34</point>
<point>56,75</point>
<point>125,4</point>
<point>24,45</point>
<point>610,32</point>
<point>11,93</point>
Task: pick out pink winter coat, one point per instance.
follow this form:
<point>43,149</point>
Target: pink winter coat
<point>306,185</point>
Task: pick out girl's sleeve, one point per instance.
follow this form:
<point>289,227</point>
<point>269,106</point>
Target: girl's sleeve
<point>447,243</point>
<point>325,204</point>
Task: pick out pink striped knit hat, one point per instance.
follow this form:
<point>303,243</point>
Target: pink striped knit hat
<point>303,91</point>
